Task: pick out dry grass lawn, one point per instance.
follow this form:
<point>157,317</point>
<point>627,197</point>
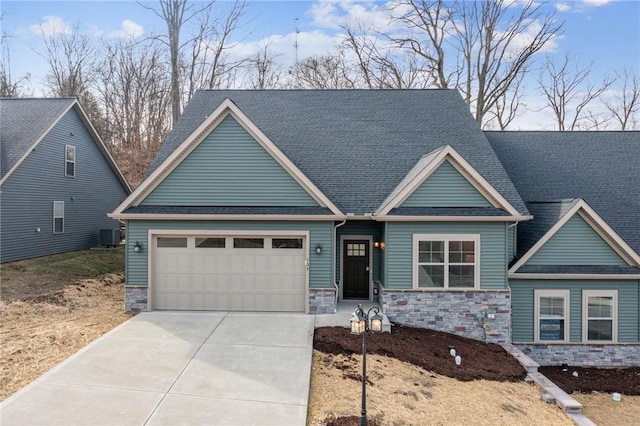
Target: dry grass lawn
<point>603,411</point>
<point>403,394</point>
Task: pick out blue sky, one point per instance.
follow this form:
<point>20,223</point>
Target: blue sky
<point>605,32</point>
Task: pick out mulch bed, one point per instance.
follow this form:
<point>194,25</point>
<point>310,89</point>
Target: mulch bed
<point>428,349</point>
<point>622,380</point>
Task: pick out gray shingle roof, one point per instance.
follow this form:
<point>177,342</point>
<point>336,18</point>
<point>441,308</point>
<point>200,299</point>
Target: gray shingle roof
<point>603,168</point>
<point>356,145</point>
<point>23,122</point>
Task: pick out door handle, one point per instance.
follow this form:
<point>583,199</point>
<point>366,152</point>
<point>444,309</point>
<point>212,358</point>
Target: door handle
<point>366,269</point>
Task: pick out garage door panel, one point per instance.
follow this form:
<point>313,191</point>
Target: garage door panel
<point>227,278</point>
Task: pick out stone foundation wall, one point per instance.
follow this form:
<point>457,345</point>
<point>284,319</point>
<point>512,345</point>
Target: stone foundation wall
<point>135,299</point>
<point>480,315</point>
<point>322,300</point>
<point>614,355</point>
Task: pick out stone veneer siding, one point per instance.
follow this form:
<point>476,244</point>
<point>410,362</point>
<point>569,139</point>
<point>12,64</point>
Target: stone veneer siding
<point>465,313</point>
<point>135,299</point>
<point>322,300</point>
<point>583,355</point>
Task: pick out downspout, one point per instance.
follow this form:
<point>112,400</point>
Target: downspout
<point>333,259</point>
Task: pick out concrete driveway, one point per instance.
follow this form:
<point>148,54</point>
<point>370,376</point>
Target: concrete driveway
<point>177,368</point>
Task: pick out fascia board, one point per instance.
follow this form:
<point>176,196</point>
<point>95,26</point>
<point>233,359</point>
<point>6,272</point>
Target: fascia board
<point>541,276</point>
<point>37,142</point>
<point>464,168</point>
<point>245,217</point>
<point>392,218</point>
<point>102,147</point>
<point>608,234</point>
<point>198,135</point>
<point>546,237</point>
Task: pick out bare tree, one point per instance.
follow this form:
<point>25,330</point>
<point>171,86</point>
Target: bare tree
<point>381,66</point>
<point>625,101</point>
<point>10,87</point>
<point>263,72</point>
<point>134,89</point>
<point>203,65</point>
<point>322,72</point>
<point>492,43</point>
<point>568,92</point>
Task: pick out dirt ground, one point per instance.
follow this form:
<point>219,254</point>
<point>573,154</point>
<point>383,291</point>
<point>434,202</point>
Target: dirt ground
<point>45,320</point>
<point>412,380</point>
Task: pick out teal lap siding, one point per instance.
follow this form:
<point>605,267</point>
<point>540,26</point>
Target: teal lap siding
<point>576,243</point>
<point>398,252</point>
<point>229,168</point>
<point>523,315</point>
<point>446,187</point>
<point>361,228</point>
<point>319,233</point>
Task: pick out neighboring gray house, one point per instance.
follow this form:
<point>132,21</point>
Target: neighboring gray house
<point>298,200</point>
<point>58,181</point>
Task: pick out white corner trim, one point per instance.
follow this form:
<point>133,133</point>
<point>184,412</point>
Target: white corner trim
<point>604,230</point>
<point>464,168</point>
<point>37,142</point>
<point>197,136</point>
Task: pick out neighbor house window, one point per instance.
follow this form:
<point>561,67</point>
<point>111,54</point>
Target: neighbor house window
<point>599,315</point>
<point>69,160</point>
<point>552,315</point>
<point>58,217</point>
<point>446,261</point>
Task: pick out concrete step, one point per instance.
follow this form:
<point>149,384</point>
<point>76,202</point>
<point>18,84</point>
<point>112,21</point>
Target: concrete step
<point>563,400</point>
<point>527,363</point>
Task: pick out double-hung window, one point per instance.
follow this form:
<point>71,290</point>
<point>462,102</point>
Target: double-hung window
<point>599,315</point>
<point>551,316</point>
<point>58,217</point>
<point>70,160</point>
<point>446,261</point>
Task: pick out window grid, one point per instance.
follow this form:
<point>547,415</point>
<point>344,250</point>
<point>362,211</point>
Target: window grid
<point>551,310</point>
<point>446,262</point>
<point>599,316</point>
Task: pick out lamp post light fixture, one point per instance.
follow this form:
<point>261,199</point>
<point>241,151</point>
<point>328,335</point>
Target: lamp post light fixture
<point>360,323</point>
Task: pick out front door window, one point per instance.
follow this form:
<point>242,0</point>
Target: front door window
<point>356,269</point>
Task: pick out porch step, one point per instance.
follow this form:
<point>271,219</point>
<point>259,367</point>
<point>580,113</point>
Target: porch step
<point>529,365</point>
<point>563,400</point>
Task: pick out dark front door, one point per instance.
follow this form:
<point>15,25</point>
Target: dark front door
<point>356,269</point>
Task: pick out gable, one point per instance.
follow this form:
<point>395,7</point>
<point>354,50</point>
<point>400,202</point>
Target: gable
<point>446,187</point>
<point>576,243</point>
<point>229,168</point>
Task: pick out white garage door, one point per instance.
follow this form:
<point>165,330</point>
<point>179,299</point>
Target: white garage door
<point>234,273</point>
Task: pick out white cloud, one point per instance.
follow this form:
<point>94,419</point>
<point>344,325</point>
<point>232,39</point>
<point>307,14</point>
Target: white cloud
<point>562,7</point>
<point>333,14</point>
<point>128,29</point>
<point>597,3</point>
<point>51,25</point>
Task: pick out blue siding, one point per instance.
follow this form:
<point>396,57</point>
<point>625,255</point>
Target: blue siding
<point>446,187</point>
<point>523,315</point>
<point>511,242</point>
<point>319,233</point>
<point>576,243</point>
<point>229,168</point>
<point>27,196</point>
<point>364,228</point>
<point>399,245</point>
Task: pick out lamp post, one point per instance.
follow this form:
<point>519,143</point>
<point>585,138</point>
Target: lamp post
<point>360,323</point>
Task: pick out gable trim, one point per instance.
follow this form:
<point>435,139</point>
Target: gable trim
<point>227,107</point>
<point>395,218</point>
<point>257,217</point>
<point>446,153</point>
<point>541,276</point>
<point>596,223</point>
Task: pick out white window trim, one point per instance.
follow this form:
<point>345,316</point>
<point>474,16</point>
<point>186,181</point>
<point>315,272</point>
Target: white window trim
<point>585,314</point>
<point>566,294</point>
<point>447,237</point>
<point>66,161</point>
<point>58,217</point>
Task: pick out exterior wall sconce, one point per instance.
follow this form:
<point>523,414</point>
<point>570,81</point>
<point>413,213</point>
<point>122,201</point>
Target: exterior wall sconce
<point>378,244</point>
<point>360,323</point>
<point>318,249</point>
<point>138,247</point>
